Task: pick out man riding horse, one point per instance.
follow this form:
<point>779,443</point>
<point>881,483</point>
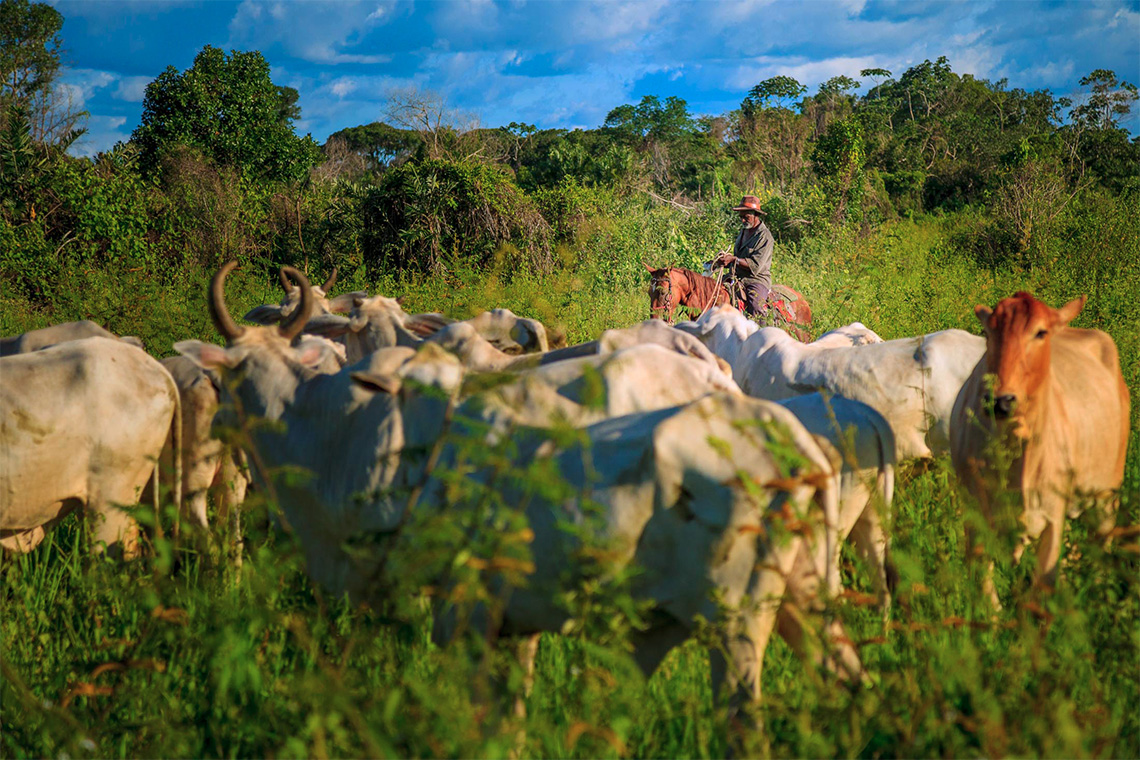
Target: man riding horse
<point>751,256</point>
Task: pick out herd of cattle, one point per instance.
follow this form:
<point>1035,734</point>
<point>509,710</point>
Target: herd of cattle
<point>729,460</point>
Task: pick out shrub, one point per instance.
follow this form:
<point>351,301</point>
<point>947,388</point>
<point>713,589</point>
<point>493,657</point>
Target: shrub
<point>421,215</point>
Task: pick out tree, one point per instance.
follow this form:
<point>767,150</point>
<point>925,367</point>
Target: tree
<point>772,93</point>
<point>1095,136</point>
<point>834,101</point>
<point>875,74</point>
<point>770,137</point>
<point>30,49</point>
<point>1109,101</point>
<point>440,127</point>
<point>382,145</point>
<point>838,158</point>
<point>653,120</point>
<point>227,108</point>
<point>675,150</point>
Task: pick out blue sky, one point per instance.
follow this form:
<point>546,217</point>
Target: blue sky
<point>558,63</point>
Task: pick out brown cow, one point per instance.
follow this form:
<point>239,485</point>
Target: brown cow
<point>1056,395</point>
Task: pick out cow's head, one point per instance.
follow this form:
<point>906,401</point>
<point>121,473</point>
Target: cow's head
<point>271,314</point>
<point>1019,334</point>
<point>261,359</point>
<point>373,323</point>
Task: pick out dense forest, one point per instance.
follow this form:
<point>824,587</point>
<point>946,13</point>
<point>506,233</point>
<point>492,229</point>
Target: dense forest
<point>900,199</point>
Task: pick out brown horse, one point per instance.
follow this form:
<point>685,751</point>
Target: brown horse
<point>673,286</point>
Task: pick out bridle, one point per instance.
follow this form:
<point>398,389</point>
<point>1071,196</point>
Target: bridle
<point>656,285</point>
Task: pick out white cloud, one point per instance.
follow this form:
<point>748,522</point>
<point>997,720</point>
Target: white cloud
<point>321,33</point>
<point>132,89</point>
<point>342,87</point>
<point>78,85</point>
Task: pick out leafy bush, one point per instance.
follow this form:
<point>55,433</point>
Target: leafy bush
<point>422,216</point>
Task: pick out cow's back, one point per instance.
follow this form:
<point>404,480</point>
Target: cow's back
<point>912,382</point>
<point>1087,425</point>
<point>588,389</point>
<point>37,340</point>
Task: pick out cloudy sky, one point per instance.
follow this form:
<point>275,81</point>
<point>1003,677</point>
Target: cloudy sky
<point>566,63</point>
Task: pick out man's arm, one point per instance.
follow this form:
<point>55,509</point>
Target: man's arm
<point>756,260</point>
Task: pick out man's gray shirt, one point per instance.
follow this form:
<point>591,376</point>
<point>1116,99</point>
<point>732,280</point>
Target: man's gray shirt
<point>753,252</point>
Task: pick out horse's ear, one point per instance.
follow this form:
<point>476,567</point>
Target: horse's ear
<point>651,269</point>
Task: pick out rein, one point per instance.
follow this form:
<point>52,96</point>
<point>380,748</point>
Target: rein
<point>715,292</point>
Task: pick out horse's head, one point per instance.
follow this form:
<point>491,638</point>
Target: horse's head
<point>663,300</point>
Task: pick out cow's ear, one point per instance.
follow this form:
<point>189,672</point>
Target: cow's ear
<point>264,315</point>
<point>401,300</point>
<point>206,355</point>
<point>983,313</point>
<point>377,382</point>
<point>1069,311</point>
<point>311,353</point>
<point>649,268</point>
<point>328,325</point>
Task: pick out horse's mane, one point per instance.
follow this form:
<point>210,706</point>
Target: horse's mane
<point>704,290</point>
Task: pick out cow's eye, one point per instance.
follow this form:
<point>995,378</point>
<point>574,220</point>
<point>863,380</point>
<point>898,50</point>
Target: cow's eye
<point>1041,334</point>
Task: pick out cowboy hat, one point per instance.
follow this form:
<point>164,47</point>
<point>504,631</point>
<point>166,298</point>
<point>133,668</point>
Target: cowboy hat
<point>750,203</point>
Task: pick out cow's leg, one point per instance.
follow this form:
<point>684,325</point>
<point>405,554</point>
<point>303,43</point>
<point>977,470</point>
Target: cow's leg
<point>870,541</point>
<point>651,645</point>
<point>527,652</point>
<point>1049,552</point>
<point>1106,510</point>
<point>230,487</point>
<point>111,525</point>
<point>746,634</point>
<point>974,550</point>
<point>196,508</point>
<point>803,594</point>
<point>114,526</point>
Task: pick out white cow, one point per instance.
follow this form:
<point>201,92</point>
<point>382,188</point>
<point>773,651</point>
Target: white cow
<point>694,495</point>
<point>82,425</point>
<point>912,382</point>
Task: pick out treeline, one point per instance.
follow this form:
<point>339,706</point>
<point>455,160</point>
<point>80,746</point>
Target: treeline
<point>215,171</point>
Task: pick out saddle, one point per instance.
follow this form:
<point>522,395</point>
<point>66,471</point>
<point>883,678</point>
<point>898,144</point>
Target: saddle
<point>776,304</point>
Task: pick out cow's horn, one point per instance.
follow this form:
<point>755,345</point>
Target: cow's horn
<point>293,324</point>
<point>329,282</point>
<point>285,284</point>
<point>217,302</point>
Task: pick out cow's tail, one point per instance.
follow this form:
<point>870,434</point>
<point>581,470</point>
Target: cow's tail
<point>176,458</point>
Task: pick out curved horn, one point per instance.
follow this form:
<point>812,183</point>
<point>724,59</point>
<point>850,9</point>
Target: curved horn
<point>285,284</point>
<point>329,282</point>
<point>292,325</point>
<point>217,302</point>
